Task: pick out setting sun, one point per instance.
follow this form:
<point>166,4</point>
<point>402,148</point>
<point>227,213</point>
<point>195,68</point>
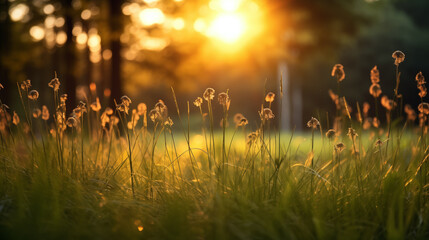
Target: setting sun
<point>227,27</point>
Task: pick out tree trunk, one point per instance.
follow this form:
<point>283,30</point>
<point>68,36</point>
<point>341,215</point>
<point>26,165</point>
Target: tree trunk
<point>115,45</point>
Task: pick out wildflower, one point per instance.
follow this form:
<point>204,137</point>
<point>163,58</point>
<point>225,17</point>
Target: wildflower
<point>71,122</point>
<point>330,134</point>
<point>162,109</point>
<point>375,90</point>
<point>375,122</point>
<point>240,120</point>
<point>266,114</point>
<point>338,72</point>
<point>352,133</point>
<point>108,111</point>
<point>375,75</point>
<point>25,85</point>
<point>198,102</point>
<point>420,78</point>
<point>122,108</point>
<point>366,108</point>
<point>339,147</point>
<point>36,113</point>
<point>378,143</point>
<point>367,123</point>
<point>63,98</point>
<point>15,118</point>
<point>169,122</point>
<point>126,100</point>
<point>224,100</point>
<point>411,114</point>
<point>252,137</point>
<point>45,113</point>
<point>424,108</point>
<point>313,123</point>
<point>243,122</point>
<point>398,56</point>
<point>270,97</point>
<point>154,115</point>
<point>33,95</point>
<point>141,109</point>
<point>96,106</point>
<point>54,84</point>
<point>209,94</point>
<point>104,119</point>
<point>387,103</point>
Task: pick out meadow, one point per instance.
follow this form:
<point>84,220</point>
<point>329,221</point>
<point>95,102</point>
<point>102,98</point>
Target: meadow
<point>130,172</point>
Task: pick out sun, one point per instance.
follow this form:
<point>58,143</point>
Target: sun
<point>227,27</point>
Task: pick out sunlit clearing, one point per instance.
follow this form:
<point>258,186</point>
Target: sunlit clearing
<point>18,12</point>
<point>37,33</point>
<point>227,28</point>
<point>151,16</point>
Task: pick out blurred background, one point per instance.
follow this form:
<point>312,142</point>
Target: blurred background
<point>107,48</point>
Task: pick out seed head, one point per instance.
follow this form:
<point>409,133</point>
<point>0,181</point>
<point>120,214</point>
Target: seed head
<point>209,94</point>
<point>108,111</point>
<point>338,72</point>
<point>33,95</point>
<point>270,97</point>
<point>168,122</point>
<point>266,114</point>
<point>375,90</point>
<point>352,133</point>
<point>198,102</point>
<point>398,56</point>
<point>223,99</point>
<point>424,108</point>
<point>420,78</point>
<point>36,113</point>
<point>387,103</point>
<point>25,85</point>
<point>313,123</point>
<point>375,75</point>
<point>378,143</point>
<point>154,115</point>
<point>126,100</point>
<point>15,118</point>
<point>330,134</point>
<point>54,84</point>
<point>411,114</point>
<point>141,109</point>
<point>339,147</point>
<point>71,122</point>
<point>252,137</point>
<point>63,98</point>
<point>162,109</point>
<point>96,106</point>
<point>45,113</point>
<point>122,108</point>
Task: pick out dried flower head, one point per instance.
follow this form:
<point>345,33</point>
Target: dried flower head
<point>162,109</point>
<point>25,85</point>
<point>54,84</point>
<point>330,134</point>
<point>420,78</point>
<point>33,95</point>
<point>243,122</point>
<point>108,111</point>
<point>168,122</point>
<point>339,147</point>
<point>398,56</point>
<point>36,113</point>
<point>266,114</point>
<point>375,90</point>
<point>375,122</point>
<point>252,137</point>
<point>122,108</point>
<point>209,94</point>
<point>366,108</point>
<point>15,118</point>
<point>224,100</point>
<point>45,113</point>
<point>240,120</point>
<point>338,72</point>
<point>411,114</point>
<point>270,97</point>
<point>313,123</point>
<point>141,109</point>
<point>423,91</point>
<point>63,98</point>
<point>378,143</point>
<point>96,106</point>
<point>352,133</point>
<point>367,123</point>
<point>71,122</point>
<point>375,75</point>
<point>387,103</point>
<point>198,102</point>
<point>126,100</point>
<point>424,108</point>
<point>104,119</point>
<point>154,115</point>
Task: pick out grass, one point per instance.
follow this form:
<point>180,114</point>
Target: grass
<point>113,175</point>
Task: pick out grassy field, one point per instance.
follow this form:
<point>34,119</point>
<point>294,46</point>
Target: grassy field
<point>131,173</point>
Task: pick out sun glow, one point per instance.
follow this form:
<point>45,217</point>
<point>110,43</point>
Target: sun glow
<point>227,27</point>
